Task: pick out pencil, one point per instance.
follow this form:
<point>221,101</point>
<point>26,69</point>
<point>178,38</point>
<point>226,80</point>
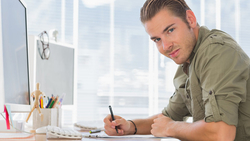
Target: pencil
<point>55,103</point>
<point>52,102</point>
<point>41,102</point>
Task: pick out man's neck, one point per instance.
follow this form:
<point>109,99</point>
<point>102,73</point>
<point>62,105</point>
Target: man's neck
<point>196,32</point>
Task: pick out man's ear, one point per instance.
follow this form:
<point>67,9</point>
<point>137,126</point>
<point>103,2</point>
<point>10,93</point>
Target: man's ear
<point>191,19</point>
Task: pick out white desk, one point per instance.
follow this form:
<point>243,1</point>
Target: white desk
<point>43,138</point>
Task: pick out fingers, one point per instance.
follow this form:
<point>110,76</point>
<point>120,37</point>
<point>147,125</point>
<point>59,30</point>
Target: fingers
<point>114,133</point>
<point>160,115</point>
<point>110,125</point>
<point>107,119</point>
<point>111,131</point>
<point>118,121</point>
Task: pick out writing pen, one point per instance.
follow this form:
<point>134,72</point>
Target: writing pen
<point>95,131</point>
<point>113,118</point>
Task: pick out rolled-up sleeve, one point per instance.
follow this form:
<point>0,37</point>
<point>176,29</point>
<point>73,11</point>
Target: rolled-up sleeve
<point>223,72</point>
<point>176,108</point>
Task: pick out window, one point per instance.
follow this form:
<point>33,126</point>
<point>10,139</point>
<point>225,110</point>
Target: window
<point>117,63</point>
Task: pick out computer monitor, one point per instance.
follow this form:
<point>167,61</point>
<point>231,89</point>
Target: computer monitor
<point>14,69</point>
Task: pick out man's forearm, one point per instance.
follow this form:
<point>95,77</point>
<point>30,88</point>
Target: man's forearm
<point>143,125</point>
<point>202,131</point>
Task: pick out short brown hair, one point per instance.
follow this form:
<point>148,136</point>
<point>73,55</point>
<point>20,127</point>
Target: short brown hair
<point>152,7</point>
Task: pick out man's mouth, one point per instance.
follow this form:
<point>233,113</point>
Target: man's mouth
<point>174,53</point>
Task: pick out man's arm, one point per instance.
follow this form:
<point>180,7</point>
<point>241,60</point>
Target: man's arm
<point>143,125</point>
<point>197,131</point>
<point>126,127</point>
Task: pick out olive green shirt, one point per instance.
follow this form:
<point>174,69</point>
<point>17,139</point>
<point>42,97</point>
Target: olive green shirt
<point>215,86</point>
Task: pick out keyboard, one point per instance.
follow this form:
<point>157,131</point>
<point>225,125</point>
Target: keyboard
<point>57,132</point>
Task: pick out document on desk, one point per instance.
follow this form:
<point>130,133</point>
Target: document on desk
<point>104,135</point>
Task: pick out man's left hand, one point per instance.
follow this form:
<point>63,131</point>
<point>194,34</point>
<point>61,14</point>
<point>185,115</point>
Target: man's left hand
<point>161,125</point>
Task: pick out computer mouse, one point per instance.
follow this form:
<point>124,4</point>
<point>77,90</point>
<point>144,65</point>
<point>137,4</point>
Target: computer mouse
<point>41,129</point>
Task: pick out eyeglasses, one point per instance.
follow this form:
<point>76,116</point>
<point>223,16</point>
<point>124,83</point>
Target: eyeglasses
<point>44,51</point>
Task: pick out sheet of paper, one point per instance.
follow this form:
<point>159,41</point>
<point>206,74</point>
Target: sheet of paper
<point>104,135</point>
<point>89,125</point>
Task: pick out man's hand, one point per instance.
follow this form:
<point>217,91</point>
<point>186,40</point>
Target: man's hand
<point>122,124</point>
<point>160,126</point>
<point>220,131</point>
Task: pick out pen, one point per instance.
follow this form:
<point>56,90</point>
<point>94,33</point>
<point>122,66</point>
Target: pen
<point>95,131</point>
<point>113,118</point>
<point>61,100</point>
<point>49,103</point>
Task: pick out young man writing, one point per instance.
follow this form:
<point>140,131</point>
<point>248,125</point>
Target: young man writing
<point>212,82</point>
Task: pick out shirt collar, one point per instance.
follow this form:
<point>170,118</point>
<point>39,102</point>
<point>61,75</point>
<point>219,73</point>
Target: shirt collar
<point>201,36</point>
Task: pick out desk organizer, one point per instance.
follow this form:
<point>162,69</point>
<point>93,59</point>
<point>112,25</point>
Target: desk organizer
<point>51,117</point>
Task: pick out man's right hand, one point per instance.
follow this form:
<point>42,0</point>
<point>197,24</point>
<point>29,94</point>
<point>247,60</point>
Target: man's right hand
<point>123,126</point>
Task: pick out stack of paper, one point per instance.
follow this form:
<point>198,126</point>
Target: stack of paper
<point>90,125</point>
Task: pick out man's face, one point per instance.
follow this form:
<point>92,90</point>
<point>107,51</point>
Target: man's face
<point>173,38</point>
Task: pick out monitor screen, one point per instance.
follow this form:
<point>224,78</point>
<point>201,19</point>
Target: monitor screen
<point>14,56</point>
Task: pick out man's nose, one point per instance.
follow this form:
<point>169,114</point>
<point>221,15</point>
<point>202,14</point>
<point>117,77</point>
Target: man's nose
<point>167,45</point>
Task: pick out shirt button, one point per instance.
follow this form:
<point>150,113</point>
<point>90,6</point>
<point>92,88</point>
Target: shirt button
<point>210,92</point>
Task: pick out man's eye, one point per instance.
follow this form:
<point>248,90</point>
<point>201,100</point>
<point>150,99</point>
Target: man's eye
<point>170,30</point>
<point>157,40</point>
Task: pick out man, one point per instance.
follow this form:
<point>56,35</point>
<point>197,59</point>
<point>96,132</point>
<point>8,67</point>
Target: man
<point>212,82</point>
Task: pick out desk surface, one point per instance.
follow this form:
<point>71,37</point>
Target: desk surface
<point>43,138</point>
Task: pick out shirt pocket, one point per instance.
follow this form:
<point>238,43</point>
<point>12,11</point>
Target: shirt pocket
<point>212,113</point>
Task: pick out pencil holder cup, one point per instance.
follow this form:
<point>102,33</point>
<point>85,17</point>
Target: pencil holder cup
<point>51,117</point>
